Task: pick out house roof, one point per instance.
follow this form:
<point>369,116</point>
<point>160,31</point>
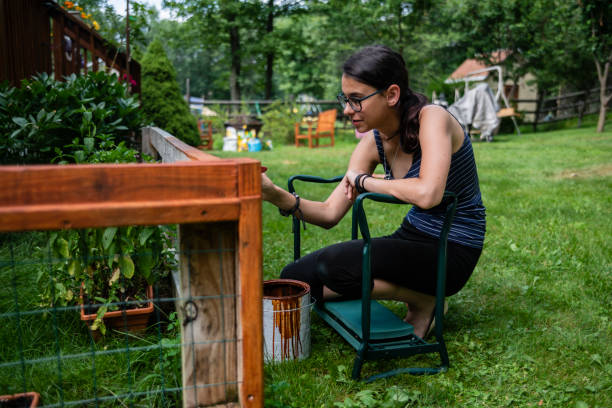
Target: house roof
<point>472,64</point>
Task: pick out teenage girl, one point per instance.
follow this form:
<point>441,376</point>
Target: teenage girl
<point>423,151</point>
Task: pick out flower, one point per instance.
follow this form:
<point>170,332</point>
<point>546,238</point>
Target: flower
<point>69,4</point>
<point>78,8</point>
<point>96,25</point>
<point>83,15</point>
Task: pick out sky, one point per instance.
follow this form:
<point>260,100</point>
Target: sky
<point>119,6</point>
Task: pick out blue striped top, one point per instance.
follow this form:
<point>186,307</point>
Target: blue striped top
<point>469,225</point>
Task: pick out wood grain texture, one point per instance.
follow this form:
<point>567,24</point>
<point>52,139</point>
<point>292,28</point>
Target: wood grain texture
<point>208,268</point>
<point>250,264</point>
<point>169,148</point>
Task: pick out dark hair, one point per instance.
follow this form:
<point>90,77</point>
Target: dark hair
<point>380,67</point>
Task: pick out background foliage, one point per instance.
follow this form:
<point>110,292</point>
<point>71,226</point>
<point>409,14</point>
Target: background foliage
<point>162,102</point>
<point>45,118</point>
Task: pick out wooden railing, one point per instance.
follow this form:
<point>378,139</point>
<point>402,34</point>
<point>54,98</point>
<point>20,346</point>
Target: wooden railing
<point>39,36</point>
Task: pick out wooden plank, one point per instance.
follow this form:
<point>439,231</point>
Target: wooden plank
<point>208,268</point>
<point>250,264</point>
<point>107,183</point>
<point>50,217</point>
<point>251,314</point>
<point>158,142</point>
<point>58,47</point>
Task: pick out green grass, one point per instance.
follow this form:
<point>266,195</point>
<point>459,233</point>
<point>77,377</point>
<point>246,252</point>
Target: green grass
<point>533,325</point>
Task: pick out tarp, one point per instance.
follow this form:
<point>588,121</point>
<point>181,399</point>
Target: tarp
<point>478,109</point>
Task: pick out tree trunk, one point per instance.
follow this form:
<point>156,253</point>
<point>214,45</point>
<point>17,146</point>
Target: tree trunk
<point>604,99</point>
<point>234,35</point>
<point>583,107</point>
<point>269,53</point>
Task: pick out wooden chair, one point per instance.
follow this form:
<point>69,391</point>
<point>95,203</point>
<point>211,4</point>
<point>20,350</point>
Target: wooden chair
<point>206,139</point>
<point>325,128</point>
<point>369,327</point>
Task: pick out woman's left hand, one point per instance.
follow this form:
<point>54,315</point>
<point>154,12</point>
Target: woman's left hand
<point>349,186</point>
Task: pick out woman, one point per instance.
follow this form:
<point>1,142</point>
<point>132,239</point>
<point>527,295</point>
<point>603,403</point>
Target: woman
<point>424,151</point>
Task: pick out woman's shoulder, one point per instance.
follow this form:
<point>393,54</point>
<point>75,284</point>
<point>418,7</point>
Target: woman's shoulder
<point>433,111</point>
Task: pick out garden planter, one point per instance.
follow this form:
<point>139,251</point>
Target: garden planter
<point>25,400</point>
<point>135,319</point>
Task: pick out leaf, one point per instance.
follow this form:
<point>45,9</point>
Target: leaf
<point>127,266</point>
<point>73,267</point>
<point>89,143</point>
<point>107,237</point>
<point>145,262</point>
<point>61,247</point>
<point>113,279</point>
<point>20,121</point>
<point>144,235</point>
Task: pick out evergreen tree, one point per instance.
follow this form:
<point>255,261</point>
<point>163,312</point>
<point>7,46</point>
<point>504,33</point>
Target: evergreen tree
<point>162,102</point>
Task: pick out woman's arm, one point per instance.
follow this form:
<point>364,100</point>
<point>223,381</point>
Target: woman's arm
<point>426,190</point>
<point>326,213</point>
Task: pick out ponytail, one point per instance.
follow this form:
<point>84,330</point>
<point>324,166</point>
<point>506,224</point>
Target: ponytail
<point>409,108</point>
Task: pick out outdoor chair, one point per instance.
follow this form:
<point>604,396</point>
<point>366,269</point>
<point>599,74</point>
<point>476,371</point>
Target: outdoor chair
<point>325,128</point>
<point>373,330</point>
<point>206,138</point>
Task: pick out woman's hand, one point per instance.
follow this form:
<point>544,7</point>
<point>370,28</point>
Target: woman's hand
<point>349,186</point>
<point>268,188</point>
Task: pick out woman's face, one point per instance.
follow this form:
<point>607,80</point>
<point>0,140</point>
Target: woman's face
<point>373,109</point>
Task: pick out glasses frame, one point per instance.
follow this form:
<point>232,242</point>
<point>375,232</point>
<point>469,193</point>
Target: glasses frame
<point>343,100</point>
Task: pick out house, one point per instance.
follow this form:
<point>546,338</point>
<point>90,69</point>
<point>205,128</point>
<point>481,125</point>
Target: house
<point>521,96</point>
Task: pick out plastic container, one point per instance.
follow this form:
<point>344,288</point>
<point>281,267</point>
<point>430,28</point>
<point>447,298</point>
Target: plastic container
<point>254,145</point>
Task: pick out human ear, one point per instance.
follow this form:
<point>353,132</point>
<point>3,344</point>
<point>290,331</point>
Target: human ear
<point>393,94</point>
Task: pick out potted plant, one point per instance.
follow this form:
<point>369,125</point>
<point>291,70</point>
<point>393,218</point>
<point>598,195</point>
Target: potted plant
<point>24,400</point>
<point>112,269</point>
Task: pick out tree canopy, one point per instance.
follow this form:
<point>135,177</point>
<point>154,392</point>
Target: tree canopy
<point>278,49</point>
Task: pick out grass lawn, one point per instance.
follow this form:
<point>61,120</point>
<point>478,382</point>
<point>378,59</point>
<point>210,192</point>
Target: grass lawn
<point>533,326</point>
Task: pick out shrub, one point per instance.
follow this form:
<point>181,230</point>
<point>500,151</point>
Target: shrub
<point>278,122</point>
<point>162,102</point>
<point>45,115</point>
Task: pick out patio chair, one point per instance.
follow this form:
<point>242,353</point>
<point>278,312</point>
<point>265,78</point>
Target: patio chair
<point>373,330</point>
<point>325,128</point>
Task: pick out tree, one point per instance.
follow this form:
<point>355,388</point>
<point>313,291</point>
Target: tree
<point>596,15</point>
<point>162,102</point>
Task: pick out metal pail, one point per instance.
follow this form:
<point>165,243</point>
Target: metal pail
<point>286,319</point>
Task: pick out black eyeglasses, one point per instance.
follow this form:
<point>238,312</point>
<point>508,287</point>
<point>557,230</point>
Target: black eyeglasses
<point>354,103</point>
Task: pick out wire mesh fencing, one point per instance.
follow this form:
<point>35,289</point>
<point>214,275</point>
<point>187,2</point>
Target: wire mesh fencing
<point>81,325</point>
<point>73,280</point>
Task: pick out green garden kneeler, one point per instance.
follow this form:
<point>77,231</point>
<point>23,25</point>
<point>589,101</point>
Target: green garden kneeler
<point>369,327</point>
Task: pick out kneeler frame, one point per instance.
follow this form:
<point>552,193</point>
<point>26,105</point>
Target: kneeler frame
<point>387,336</point>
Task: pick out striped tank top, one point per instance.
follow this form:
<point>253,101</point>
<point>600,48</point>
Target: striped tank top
<point>468,227</point>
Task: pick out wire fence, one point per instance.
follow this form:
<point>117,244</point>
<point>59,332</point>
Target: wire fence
<point>79,242</point>
<point>48,347</point>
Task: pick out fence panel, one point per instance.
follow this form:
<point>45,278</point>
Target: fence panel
<point>217,360</point>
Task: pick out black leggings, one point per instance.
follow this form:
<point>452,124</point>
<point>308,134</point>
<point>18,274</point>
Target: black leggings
<point>408,258</point>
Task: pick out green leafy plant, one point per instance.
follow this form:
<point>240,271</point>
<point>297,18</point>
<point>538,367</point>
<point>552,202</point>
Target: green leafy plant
<point>110,265</point>
<point>44,115</point>
<point>279,120</point>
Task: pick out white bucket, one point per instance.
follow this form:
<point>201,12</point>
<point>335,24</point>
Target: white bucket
<point>286,319</point>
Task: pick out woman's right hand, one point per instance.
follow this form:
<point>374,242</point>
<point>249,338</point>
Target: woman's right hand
<point>268,188</point>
